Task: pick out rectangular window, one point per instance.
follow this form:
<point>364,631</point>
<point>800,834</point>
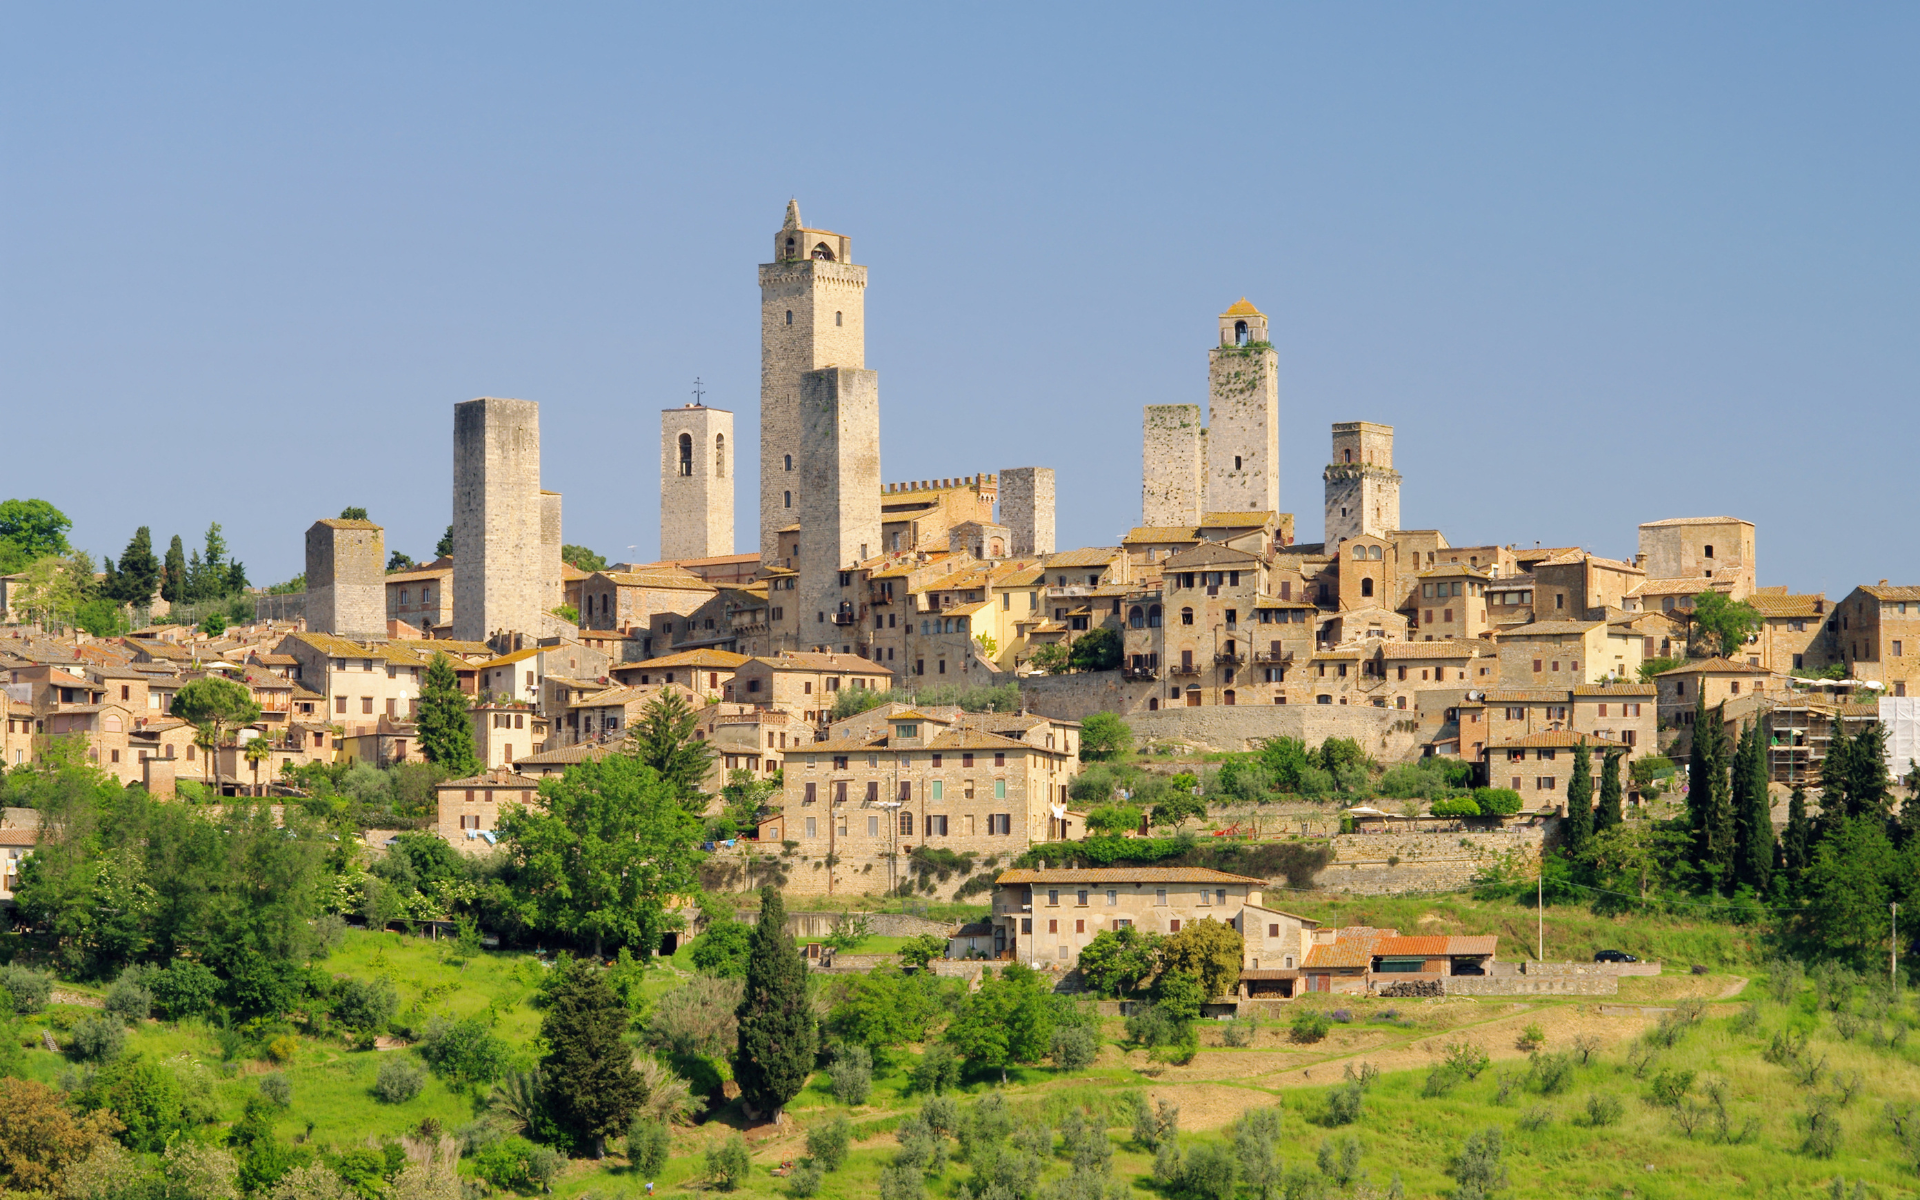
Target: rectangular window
<point>1113,897</point>
<point>1536,666</point>
<point>1897,651</point>
<point>340,705</point>
<point>937,790</point>
<point>1000,823</point>
<point>1080,898</point>
<point>1053,927</point>
<point>936,826</point>
<point>1206,897</point>
<point>1053,898</point>
<point>999,789</point>
<point>1546,783</point>
<point>811,829</point>
<point>906,823</point>
<point>966,760</point>
<point>811,794</point>
<point>873,791</point>
<point>839,762</point>
<point>366,705</point>
<point>873,827</point>
<point>1173,926</point>
<point>1273,930</point>
<point>1000,756</point>
<point>840,791</point>
<point>1159,897</point>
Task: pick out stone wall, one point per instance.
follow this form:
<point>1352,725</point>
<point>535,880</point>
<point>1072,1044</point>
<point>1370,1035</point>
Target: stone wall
<point>1386,864</point>
<point>1173,475</point>
<point>1245,726</point>
<point>1076,697</point>
<point>812,926</point>
<point>1532,985</point>
<point>1583,969</point>
<point>1026,508</point>
<point>696,508</point>
<point>496,518</point>
<point>553,583</point>
<point>346,579</point>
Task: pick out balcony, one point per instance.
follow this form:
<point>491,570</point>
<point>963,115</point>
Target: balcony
<point>1231,657</point>
<point>1273,657</point>
<point>1139,673</point>
<point>1069,591</point>
<point>1183,668</point>
<point>845,618</point>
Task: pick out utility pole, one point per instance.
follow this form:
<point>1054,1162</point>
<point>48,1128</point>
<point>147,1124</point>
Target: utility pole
<point>1893,947</point>
<point>1540,912</point>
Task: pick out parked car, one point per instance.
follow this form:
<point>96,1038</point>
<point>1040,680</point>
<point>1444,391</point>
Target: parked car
<point>1620,956</point>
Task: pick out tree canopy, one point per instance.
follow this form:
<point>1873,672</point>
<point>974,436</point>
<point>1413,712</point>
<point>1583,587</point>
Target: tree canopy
<point>1104,736</point>
<point>444,720</point>
<point>607,850</point>
<point>1723,622</point>
<point>663,739</point>
<point>590,1082</point>
<point>778,1034</point>
<point>31,529</point>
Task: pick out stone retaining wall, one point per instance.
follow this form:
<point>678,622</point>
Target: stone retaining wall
<point>1555,969</point>
<point>1534,985</point>
<point>1384,864</point>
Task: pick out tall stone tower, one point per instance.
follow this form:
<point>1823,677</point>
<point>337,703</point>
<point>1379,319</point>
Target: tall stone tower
<point>346,579</point>
<point>1026,509</point>
<point>1243,415</point>
<point>553,580</point>
<point>1173,454</point>
<point>497,519</point>
<point>812,316</point>
<point>1363,489</point>
<point>839,451</point>
<point>696,482</point>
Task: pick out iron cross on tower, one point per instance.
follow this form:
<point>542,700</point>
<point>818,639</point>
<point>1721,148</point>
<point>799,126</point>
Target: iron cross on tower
<point>698,391</point>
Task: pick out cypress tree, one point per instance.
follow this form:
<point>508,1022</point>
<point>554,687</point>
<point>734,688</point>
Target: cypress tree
<point>1869,784</point>
<point>1753,812</point>
<point>139,572</point>
<point>1836,780</point>
<point>444,723</point>
<point>590,1084</point>
<point>1720,822</point>
<point>173,577</point>
<point>1700,772</point>
<point>1580,801</point>
<point>778,1034</point>
<point>1607,815</point>
<point>1796,849</point>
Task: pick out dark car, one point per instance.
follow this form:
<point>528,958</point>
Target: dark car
<point>1614,956</point>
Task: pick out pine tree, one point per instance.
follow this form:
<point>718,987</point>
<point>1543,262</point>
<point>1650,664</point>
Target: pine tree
<point>1869,784</point>
<point>587,1075</point>
<point>1836,780</point>
<point>778,1035</point>
<point>444,547</point>
<point>1796,843</point>
<point>1579,826</point>
<point>663,739</point>
<point>1753,812</point>
<point>444,722</point>
<point>173,578</point>
<point>1608,814</point>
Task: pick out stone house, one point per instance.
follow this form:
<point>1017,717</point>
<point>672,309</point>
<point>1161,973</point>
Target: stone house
<point>1623,712</point>
<point>1448,603</point>
<point>16,845</point>
<point>468,810</point>
<point>927,779</point>
<point>1700,548</point>
<point>1581,586</point>
<point>422,596</point>
<point>1792,636</point>
<point>521,676</point>
<point>501,732</point>
<point>1050,915</point>
<point>628,600</point>
<point>1877,636</point>
<point>361,683</point>
<point>604,716</point>
<point>18,746</point>
<point>1539,765</point>
<point>1409,668</point>
<point>707,673</point>
<point>805,685</point>
<point>1563,653</point>
<point>1719,679</point>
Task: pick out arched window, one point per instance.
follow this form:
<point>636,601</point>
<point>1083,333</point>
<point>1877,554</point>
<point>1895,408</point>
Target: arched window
<point>1153,704</point>
<point>686,454</point>
<point>789,316</point>
<point>1709,550</point>
<point>719,456</point>
<point>1153,616</point>
<point>1360,552</point>
<point>1186,616</point>
<point>790,247</point>
<point>1226,697</point>
<point>1348,453</point>
<point>836,318</point>
<point>1239,333</point>
<point>1373,552</point>
<point>789,462</point>
<point>1366,587</point>
<point>789,496</point>
<point>1136,617</point>
<point>822,253</point>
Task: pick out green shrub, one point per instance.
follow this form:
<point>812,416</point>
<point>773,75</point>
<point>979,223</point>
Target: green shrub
<point>128,998</point>
<point>464,1051</point>
<point>1074,1047</point>
<point>728,1163</point>
<point>277,1088</point>
<point>1604,1108</point>
<point>29,988</point>
<point>1344,1103</point>
<point>398,1080</point>
<point>366,1007</point>
<point>1497,802</point>
<point>648,1145</point>
<point>806,1179</point>
<point>827,1143</point>
<point>851,1075</point>
<point>504,1163</point>
<point>1310,1025</point>
<point>184,989</point>
<point>937,1071</point>
<point>1456,806</point>
<point>1210,1172</point>
<point>99,1038</point>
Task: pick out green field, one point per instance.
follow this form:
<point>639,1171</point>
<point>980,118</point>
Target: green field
<point>1550,1148</point>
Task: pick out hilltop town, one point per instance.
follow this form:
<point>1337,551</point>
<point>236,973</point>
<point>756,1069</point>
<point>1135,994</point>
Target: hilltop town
<point>1212,774</point>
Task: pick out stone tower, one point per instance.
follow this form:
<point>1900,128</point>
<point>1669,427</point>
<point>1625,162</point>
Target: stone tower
<point>1173,452</point>
<point>1026,509</point>
<point>812,316</point>
<point>1243,416</point>
<point>497,519</point>
<point>553,580</point>
<point>1363,489</point>
<point>839,453</point>
<point>696,482</point>
<point>346,579</point>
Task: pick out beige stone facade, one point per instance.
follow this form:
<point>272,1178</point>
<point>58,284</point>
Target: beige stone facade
<point>1173,487</point>
<point>1875,631</point>
<point>422,597</point>
<point>1719,679</point>
<point>805,685</point>
<point>1026,509</point>
<point>1702,548</point>
<point>469,810</point>
<point>696,482</point>
<point>812,316</point>
<point>346,578</point>
<point>840,508</point>
<point>1627,713</point>
<point>1563,653</point>
<point>630,600</point>
<point>1048,916</point>
<point>1539,765</point>
<point>1793,631</point>
<point>362,683</point>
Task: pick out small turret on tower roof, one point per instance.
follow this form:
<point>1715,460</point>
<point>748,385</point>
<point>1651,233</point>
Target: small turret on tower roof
<point>793,215</point>
<point>1241,308</point>
<point>1241,324</point>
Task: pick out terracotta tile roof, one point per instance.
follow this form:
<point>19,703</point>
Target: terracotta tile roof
<point>1551,629</point>
<point>1162,533</point>
<point>337,523</point>
<point>1123,875</point>
<point>1776,605</point>
<point>846,664</point>
<point>1693,521</point>
<point>566,755</point>
<point>1276,602</point>
<point>1450,649</point>
<point>492,779</point>
<point>1241,308</point>
<point>1671,587</point>
<point>1452,571</point>
<point>1529,696</point>
<point>1092,556</point>
<point>1207,553</point>
<point>507,660</point>
<point>1435,946</point>
<point>1235,520</point>
<point>433,570</point>
<point>451,646</point>
<point>1555,739</point>
<point>977,739</point>
<point>1615,689</point>
<point>1880,591</point>
<point>1263,973</point>
<point>671,578</point>
<point>1350,948</point>
<point>1714,666</point>
<point>725,660</point>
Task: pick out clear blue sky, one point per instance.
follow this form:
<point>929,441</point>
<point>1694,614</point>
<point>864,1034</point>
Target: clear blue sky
<point>1598,264</point>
